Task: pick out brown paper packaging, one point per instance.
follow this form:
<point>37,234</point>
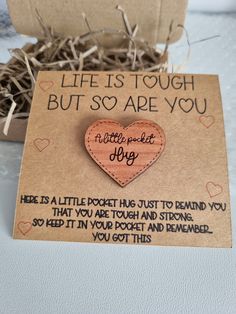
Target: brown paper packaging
<point>65,17</point>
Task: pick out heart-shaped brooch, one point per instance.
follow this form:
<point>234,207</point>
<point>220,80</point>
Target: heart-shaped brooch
<point>124,152</point>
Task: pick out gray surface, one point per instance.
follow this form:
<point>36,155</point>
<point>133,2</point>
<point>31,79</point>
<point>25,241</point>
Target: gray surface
<point>3,5</point>
<point>47,277</point>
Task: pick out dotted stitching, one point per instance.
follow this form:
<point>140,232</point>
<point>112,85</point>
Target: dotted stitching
<point>140,171</point>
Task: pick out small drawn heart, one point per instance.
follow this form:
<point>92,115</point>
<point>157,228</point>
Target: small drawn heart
<point>217,206</point>
<point>169,204</point>
<point>40,222</point>
<point>46,85</point>
<point>207,121</point>
<point>214,189</point>
<point>24,227</point>
<point>41,143</point>
<point>124,152</point>
<point>109,102</point>
<point>186,104</point>
<point>150,81</point>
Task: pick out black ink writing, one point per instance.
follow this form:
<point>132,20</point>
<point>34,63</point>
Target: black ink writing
<point>119,155</point>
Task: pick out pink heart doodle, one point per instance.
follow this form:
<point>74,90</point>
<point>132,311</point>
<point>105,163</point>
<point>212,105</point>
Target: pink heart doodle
<point>214,189</point>
<point>41,143</point>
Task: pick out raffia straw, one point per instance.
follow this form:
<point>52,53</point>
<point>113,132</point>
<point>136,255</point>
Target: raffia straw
<point>84,53</point>
<point>15,116</point>
<point>126,21</point>
<point>182,65</point>
<point>9,116</point>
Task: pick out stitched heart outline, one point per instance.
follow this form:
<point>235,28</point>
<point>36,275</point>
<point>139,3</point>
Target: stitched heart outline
<point>119,171</point>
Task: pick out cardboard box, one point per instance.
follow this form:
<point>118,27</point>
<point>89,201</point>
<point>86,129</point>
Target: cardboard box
<point>65,17</point>
<point>16,131</point>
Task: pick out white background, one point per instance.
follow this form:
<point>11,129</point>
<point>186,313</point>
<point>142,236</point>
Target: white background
<point>56,278</point>
<point>212,5</point>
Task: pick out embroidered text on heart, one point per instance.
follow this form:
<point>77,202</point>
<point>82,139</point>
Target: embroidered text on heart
<point>124,153</point>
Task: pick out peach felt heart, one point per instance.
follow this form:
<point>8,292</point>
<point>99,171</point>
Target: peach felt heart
<point>124,152</point>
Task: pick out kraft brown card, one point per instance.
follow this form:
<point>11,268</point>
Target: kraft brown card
<point>127,158</point>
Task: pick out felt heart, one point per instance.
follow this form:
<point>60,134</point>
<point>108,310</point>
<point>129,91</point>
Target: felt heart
<point>186,104</point>
<point>214,189</point>
<point>41,143</point>
<point>124,152</point>
<point>46,85</point>
<point>150,80</point>
<point>207,121</point>
<point>24,227</point>
<point>109,102</point>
